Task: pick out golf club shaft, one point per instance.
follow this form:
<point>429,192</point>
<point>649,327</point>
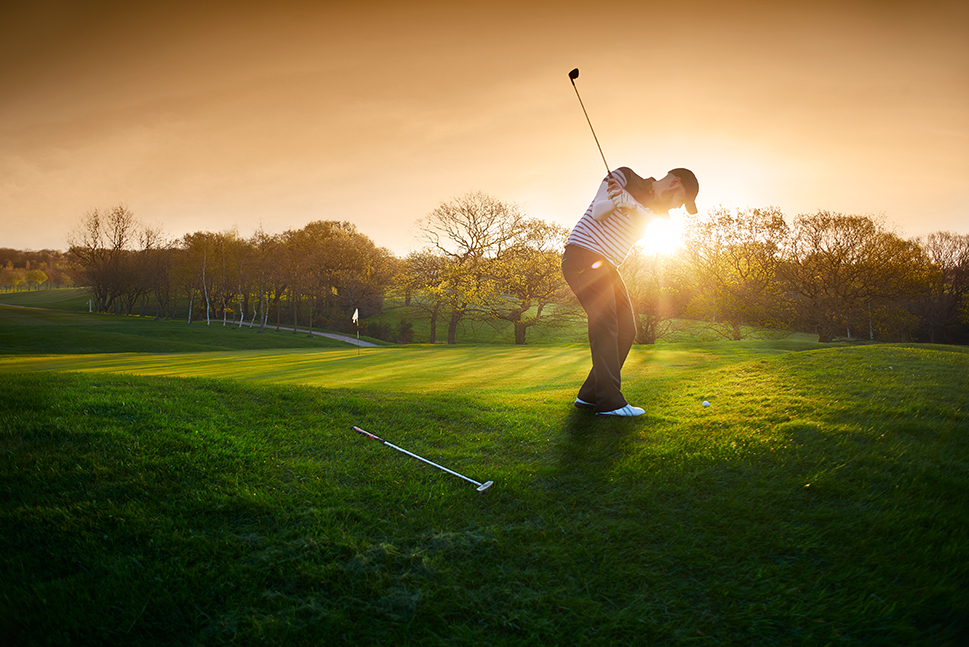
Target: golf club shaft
<point>412,455</point>
<point>608,171</point>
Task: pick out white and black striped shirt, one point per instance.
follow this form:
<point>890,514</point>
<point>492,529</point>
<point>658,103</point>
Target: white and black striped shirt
<point>613,236</point>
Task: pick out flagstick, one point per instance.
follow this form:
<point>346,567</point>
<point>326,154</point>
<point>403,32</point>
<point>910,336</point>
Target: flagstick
<point>356,320</point>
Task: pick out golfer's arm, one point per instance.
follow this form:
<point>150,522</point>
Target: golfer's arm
<point>602,206</point>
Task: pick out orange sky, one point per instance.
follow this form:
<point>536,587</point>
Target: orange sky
<point>205,116</point>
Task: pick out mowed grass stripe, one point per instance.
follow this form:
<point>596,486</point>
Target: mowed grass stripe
<point>411,369</point>
<point>520,370</point>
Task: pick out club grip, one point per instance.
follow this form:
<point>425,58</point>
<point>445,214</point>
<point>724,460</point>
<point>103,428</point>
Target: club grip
<point>367,433</point>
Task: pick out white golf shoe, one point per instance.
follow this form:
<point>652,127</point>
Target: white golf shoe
<point>628,411</point>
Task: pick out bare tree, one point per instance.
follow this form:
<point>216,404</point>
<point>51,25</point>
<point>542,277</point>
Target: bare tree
<point>98,250</point>
<point>468,231</point>
<point>154,269</point>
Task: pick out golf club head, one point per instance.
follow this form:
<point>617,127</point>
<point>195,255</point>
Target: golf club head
<point>574,74</point>
<point>484,487</point>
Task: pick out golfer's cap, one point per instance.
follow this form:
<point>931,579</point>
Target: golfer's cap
<point>690,184</point>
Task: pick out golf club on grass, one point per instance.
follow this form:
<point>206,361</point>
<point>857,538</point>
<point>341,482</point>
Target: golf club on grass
<point>482,487</point>
<point>573,75</point>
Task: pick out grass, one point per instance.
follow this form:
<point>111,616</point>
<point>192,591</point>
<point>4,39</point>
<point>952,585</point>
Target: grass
<point>472,330</point>
<point>820,499</point>
<point>551,332</point>
<point>92,330</point>
<point>47,331</point>
<point>67,299</point>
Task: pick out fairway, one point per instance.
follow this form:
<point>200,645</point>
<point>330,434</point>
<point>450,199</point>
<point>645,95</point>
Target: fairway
<point>221,498</point>
<point>519,371</point>
<point>413,369</point>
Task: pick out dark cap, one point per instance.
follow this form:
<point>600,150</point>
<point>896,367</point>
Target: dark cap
<point>688,180</point>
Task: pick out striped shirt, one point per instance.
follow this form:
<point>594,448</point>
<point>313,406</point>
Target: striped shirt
<point>613,236</point>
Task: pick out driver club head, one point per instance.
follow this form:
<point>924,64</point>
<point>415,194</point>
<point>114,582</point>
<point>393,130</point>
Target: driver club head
<point>484,487</point>
<point>574,74</point>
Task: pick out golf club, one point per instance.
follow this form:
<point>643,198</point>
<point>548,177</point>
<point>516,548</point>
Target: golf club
<point>573,75</point>
<point>482,487</point>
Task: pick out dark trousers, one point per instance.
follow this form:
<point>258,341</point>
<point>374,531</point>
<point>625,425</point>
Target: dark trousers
<point>612,324</point>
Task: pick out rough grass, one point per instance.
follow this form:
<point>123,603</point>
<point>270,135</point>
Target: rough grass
<point>820,499</point>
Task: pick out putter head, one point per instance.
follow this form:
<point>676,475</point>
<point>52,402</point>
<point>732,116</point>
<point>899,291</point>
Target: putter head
<point>484,487</point>
<point>574,74</point>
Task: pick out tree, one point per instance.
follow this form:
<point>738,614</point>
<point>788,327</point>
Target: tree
<point>421,274</point>
<point>468,231</point>
<point>943,304</point>
<point>98,250</point>
<point>229,280</point>
<point>529,273</point>
<point>840,267</point>
<point>135,270</point>
<point>337,269</point>
<point>35,278</point>
<point>51,262</point>
<point>265,250</point>
<point>158,265</point>
<point>658,289</point>
<point>735,257</point>
<point>196,270</point>
<point>12,278</point>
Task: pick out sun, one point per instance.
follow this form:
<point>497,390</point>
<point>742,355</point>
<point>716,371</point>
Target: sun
<point>663,236</point>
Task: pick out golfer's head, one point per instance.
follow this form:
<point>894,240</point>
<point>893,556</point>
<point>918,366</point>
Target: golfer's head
<point>677,189</point>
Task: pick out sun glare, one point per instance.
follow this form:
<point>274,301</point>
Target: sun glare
<point>663,236</point>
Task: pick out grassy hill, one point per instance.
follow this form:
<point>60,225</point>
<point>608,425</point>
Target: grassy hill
<point>221,498</point>
<point>54,322</point>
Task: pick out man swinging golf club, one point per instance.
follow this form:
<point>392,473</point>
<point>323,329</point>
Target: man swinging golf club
<point>600,241</point>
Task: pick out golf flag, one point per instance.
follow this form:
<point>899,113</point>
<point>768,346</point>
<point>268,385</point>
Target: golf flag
<point>356,315</point>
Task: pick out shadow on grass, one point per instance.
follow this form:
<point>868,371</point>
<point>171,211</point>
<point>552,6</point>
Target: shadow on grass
<point>590,446</point>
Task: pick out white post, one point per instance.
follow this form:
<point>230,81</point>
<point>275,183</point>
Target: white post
<point>356,320</point>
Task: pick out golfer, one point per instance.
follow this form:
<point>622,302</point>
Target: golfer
<point>598,244</point>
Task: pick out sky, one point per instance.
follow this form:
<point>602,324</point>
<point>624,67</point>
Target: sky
<point>209,116</point>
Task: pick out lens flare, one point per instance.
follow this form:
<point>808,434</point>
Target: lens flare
<point>663,236</point>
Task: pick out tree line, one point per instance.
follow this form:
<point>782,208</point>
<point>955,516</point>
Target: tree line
<point>836,275</point>
<point>305,277</point>
<point>29,270</point>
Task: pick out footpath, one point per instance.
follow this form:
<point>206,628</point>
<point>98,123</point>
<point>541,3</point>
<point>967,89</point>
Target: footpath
<point>330,335</point>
